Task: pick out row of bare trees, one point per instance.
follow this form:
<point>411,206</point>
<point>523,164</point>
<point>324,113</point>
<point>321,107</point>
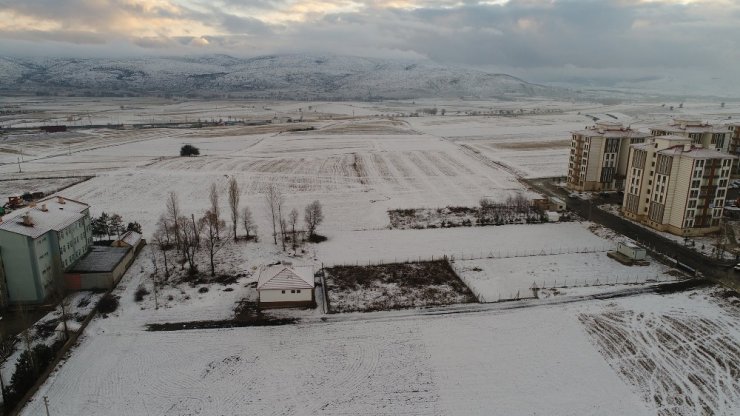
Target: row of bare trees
<point>313,216</point>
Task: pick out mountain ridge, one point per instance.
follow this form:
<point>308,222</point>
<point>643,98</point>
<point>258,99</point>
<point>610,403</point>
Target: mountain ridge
<point>270,76</point>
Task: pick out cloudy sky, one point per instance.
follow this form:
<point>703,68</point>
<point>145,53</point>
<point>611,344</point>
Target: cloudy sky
<point>637,38</point>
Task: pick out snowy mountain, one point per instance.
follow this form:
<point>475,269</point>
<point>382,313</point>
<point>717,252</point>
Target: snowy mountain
<point>282,76</point>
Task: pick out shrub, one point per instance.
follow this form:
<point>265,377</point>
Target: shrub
<point>108,304</point>
<point>140,293</point>
<point>203,289</point>
<point>189,150</point>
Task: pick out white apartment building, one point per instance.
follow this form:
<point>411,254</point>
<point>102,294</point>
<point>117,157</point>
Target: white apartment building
<point>673,185</point>
<point>701,133</point>
<point>38,243</point>
<point>598,156</point>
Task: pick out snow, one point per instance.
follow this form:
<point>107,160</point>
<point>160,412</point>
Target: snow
<point>421,365</point>
<point>509,278</point>
<point>529,357</point>
<point>388,246</point>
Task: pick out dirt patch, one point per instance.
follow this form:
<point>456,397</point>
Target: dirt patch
<point>450,217</point>
<point>394,286</point>
<point>536,145</point>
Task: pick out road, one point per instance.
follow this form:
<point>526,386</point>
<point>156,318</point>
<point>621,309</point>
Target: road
<point>715,270</point>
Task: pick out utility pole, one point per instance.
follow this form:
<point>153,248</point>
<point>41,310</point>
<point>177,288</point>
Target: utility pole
<point>46,404</point>
<point>19,165</point>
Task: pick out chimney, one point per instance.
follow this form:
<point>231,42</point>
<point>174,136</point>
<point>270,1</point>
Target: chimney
<point>43,208</point>
<point>27,220</point>
<point>60,200</point>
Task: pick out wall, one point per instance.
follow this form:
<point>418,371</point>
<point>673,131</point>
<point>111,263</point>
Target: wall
<point>306,295</point>
<point>22,282</point>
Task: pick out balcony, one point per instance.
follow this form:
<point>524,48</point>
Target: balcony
<point>707,191</point>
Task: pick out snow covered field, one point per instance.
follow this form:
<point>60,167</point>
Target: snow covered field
<point>505,278</point>
<point>420,364</point>
<point>541,360</point>
<point>388,246</point>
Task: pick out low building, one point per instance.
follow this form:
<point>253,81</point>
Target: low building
<point>676,186</point>
<point>283,286</point>
<point>598,156</point>
<point>39,242</point>
<point>631,250</point>
<point>101,268</point>
<point>129,239</point>
<point>701,134</point>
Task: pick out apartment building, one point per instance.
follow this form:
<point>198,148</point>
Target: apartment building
<point>676,186</point>
<point>701,134</point>
<point>598,156</point>
<point>734,148</point>
<point>38,243</point>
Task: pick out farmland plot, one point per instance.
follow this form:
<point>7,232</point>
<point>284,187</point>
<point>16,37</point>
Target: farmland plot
<point>414,365</point>
<point>356,176</point>
<point>681,353</point>
<point>508,278</point>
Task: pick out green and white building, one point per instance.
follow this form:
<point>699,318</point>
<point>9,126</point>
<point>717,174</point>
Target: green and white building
<point>37,244</point>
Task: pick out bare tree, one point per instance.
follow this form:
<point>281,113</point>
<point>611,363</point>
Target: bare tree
<point>248,222</point>
<point>173,215</point>
<point>211,226</point>
<point>293,219</point>
<point>190,240</point>
<point>234,196</point>
<point>313,217</point>
<point>213,196</point>
<point>163,240</point>
<point>274,202</point>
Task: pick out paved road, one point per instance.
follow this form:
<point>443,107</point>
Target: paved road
<point>716,270</point>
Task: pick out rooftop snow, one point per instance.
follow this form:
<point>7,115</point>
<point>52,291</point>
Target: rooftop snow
<point>60,212</point>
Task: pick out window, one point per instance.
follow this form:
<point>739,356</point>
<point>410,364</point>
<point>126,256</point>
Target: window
<point>292,291</point>
<point>298,291</point>
<point>283,292</point>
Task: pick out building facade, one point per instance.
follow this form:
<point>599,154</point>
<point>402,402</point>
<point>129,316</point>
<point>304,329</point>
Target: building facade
<point>38,243</point>
<point>701,134</point>
<point>675,186</point>
<point>598,156</point>
<point>734,148</point>
<point>282,286</point>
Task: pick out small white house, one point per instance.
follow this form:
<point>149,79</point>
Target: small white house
<point>632,251</point>
<point>283,286</point>
<point>129,239</point>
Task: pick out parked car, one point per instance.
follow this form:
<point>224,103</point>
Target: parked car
<point>737,267</point>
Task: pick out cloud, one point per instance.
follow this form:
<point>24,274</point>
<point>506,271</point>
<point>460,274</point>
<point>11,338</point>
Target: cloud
<point>563,35</point>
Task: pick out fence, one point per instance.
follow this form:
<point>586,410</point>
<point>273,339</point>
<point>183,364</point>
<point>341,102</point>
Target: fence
<point>532,290</point>
<point>463,256</point>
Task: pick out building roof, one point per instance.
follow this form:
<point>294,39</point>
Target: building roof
<point>53,213</point>
<point>131,238</point>
<point>99,260</point>
<point>612,133</point>
<point>696,153</point>
<point>688,125</point>
<point>286,277</point>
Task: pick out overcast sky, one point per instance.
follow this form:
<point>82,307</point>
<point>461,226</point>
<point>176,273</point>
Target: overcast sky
<point>566,37</point>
